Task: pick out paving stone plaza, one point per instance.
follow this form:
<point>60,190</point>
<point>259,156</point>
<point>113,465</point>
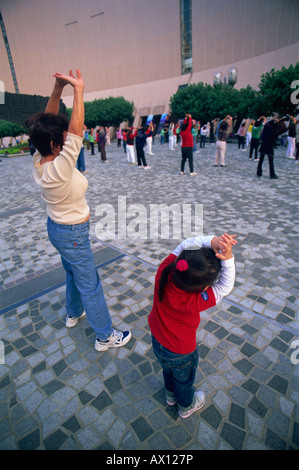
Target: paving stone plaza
<point>57,392</point>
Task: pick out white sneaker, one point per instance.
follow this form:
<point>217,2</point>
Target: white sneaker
<point>115,340</point>
<point>147,167</point>
<point>198,402</point>
<point>193,174</point>
<point>72,321</point>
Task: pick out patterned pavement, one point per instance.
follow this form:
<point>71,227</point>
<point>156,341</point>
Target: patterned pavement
<point>57,392</point>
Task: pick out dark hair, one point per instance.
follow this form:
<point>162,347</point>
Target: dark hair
<point>184,126</point>
<point>44,128</point>
<point>223,125</point>
<point>203,270</point>
<point>258,123</point>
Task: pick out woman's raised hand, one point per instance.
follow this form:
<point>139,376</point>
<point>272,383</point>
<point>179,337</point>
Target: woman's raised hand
<point>76,82</point>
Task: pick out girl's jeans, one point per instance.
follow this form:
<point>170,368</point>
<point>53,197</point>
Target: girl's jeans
<point>83,286</point>
<point>178,372</point>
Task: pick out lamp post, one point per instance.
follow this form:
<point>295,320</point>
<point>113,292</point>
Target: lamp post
<point>219,79</point>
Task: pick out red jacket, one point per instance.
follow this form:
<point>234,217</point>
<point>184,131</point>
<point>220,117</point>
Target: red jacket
<point>174,321</point>
<point>131,137</point>
<point>187,137</point>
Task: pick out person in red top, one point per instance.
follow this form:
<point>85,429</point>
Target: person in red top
<point>131,134</point>
<point>187,144</point>
<point>124,135</point>
<point>193,278</point>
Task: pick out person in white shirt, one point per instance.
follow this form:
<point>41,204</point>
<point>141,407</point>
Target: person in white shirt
<point>204,132</point>
<point>171,136</point>
<point>58,144</point>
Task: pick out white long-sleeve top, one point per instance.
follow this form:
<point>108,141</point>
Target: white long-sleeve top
<point>224,285</point>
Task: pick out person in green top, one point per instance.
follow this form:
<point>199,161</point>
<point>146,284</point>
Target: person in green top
<point>194,132</point>
<point>256,134</point>
<point>91,141</point>
<point>162,134</point>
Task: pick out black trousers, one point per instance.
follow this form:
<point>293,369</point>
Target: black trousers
<point>103,152</point>
<point>271,165</point>
<point>254,145</point>
<point>187,154</point>
<point>241,141</point>
<point>140,156</point>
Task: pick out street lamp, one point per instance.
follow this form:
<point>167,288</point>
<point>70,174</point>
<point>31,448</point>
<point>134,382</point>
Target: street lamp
<point>219,79</point>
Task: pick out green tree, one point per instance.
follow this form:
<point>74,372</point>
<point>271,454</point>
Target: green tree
<point>225,101</point>
<point>108,111</point>
<point>275,91</point>
<point>194,99</point>
<point>4,128</point>
<point>10,129</point>
<point>246,106</point>
<point>205,102</point>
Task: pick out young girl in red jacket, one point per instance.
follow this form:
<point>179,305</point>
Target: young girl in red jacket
<point>193,278</point>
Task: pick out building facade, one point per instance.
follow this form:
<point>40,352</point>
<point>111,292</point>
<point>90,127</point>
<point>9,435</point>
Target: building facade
<point>143,50</point>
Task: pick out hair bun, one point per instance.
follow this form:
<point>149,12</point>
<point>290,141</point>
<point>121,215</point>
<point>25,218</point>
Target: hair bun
<point>182,265</point>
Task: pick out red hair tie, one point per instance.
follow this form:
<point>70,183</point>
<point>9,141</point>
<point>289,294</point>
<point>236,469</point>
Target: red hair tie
<point>182,265</point>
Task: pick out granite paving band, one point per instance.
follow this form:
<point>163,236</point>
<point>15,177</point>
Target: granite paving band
<point>19,210</point>
<point>58,393</point>
<point>22,293</point>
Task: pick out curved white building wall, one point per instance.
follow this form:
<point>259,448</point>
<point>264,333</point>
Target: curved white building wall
<point>153,97</point>
<point>132,48</point>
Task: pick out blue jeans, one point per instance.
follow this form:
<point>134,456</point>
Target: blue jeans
<point>178,372</point>
<point>81,160</point>
<point>83,285</point>
<point>194,143</point>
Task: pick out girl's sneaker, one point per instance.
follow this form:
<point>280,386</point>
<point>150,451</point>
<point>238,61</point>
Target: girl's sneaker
<point>170,398</point>
<point>115,340</point>
<point>72,321</point>
<point>198,402</point>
